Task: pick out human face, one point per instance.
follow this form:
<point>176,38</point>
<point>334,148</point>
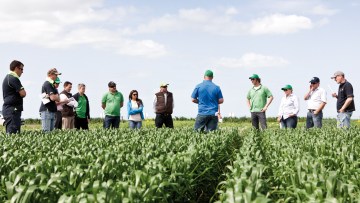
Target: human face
<point>82,90</point>
<point>19,70</point>
<point>68,88</point>
<point>287,92</point>
<point>254,81</point>
<point>134,95</point>
<point>163,89</point>
<point>339,79</point>
<point>112,88</point>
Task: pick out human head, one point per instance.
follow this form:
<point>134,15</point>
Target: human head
<point>17,67</point>
<point>57,82</point>
<point>163,87</point>
<point>53,73</point>
<point>315,82</point>
<point>208,75</point>
<point>255,79</point>
<point>133,95</point>
<point>67,86</point>
<point>81,88</point>
<point>112,86</point>
<point>339,77</point>
<point>287,89</point>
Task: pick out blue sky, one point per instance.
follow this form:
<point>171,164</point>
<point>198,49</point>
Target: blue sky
<point>139,44</point>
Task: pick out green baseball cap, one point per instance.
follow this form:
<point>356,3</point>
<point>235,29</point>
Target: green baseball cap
<point>209,73</point>
<point>287,87</point>
<point>57,80</point>
<point>254,76</point>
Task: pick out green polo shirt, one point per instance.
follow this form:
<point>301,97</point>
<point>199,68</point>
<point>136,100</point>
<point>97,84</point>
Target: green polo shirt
<point>258,98</point>
<point>112,102</point>
<point>81,108</point>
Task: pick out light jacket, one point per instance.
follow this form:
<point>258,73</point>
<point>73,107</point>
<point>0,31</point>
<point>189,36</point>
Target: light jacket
<point>132,111</point>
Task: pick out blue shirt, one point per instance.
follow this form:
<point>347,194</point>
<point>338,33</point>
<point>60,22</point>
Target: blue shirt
<point>208,95</point>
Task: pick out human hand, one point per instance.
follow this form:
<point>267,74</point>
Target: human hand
<point>334,95</point>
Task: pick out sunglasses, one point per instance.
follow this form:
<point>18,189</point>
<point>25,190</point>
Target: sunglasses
<point>112,86</point>
<point>134,94</point>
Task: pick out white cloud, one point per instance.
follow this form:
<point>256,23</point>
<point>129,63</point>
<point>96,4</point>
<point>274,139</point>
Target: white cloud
<point>231,11</point>
<point>60,24</point>
<point>252,60</point>
<point>224,23</point>
<point>323,10</point>
<point>280,24</point>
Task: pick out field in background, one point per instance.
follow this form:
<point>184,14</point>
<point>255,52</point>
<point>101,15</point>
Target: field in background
<point>35,124</point>
<point>233,164</point>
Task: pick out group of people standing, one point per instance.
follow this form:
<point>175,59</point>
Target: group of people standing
<point>66,111</point>
<point>316,100</point>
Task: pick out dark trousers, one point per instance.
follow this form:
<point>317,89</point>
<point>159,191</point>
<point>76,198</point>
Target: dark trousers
<point>258,117</point>
<point>58,120</point>
<point>81,123</point>
<point>12,120</point>
<point>290,122</point>
<point>166,119</point>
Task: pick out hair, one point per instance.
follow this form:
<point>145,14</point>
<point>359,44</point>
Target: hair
<point>15,64</point>
<point>258,79</point>
<point>66,83</point>
<point>81,85</point>
<point>138,101</point>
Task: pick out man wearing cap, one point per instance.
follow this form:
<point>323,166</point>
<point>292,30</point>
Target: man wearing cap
<point>163,107</point>
<point>208,96</point>
<point>316,101</point>
<point>345,104</point>
<point>289,108</point>
<point>48,108</point>
<point>259,98</point>
<point>112,102</point>
<point>13,94</point>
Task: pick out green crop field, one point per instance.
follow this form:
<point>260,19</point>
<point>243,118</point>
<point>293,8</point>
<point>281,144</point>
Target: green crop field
<point>233,164</point>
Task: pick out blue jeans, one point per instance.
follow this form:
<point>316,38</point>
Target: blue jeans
<point>290,122</point>
<point>111,121</point>
<point>47,120</point>
<point>206,122</point>
<point>343,119</point>
<point>313,120</point>
<point>135,124</point>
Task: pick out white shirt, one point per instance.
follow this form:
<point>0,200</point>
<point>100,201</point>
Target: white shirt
<point>135,117</point>
<point>316,97</point>
<point>289,105</point>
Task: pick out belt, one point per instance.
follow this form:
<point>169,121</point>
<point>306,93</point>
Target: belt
<point>312,110</point>
<point>163,114</point>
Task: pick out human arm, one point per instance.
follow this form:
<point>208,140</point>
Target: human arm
<point>346,104</point>
<point>308,94</point>
<point>268,102</point>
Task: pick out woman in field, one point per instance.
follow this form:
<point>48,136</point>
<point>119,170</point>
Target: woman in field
<point>135,110</point>
<point>289,108</point>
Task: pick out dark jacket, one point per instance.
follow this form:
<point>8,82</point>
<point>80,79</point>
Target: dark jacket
<point>160,106</point>
<point>76,97</point>
<point>67,111</point>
